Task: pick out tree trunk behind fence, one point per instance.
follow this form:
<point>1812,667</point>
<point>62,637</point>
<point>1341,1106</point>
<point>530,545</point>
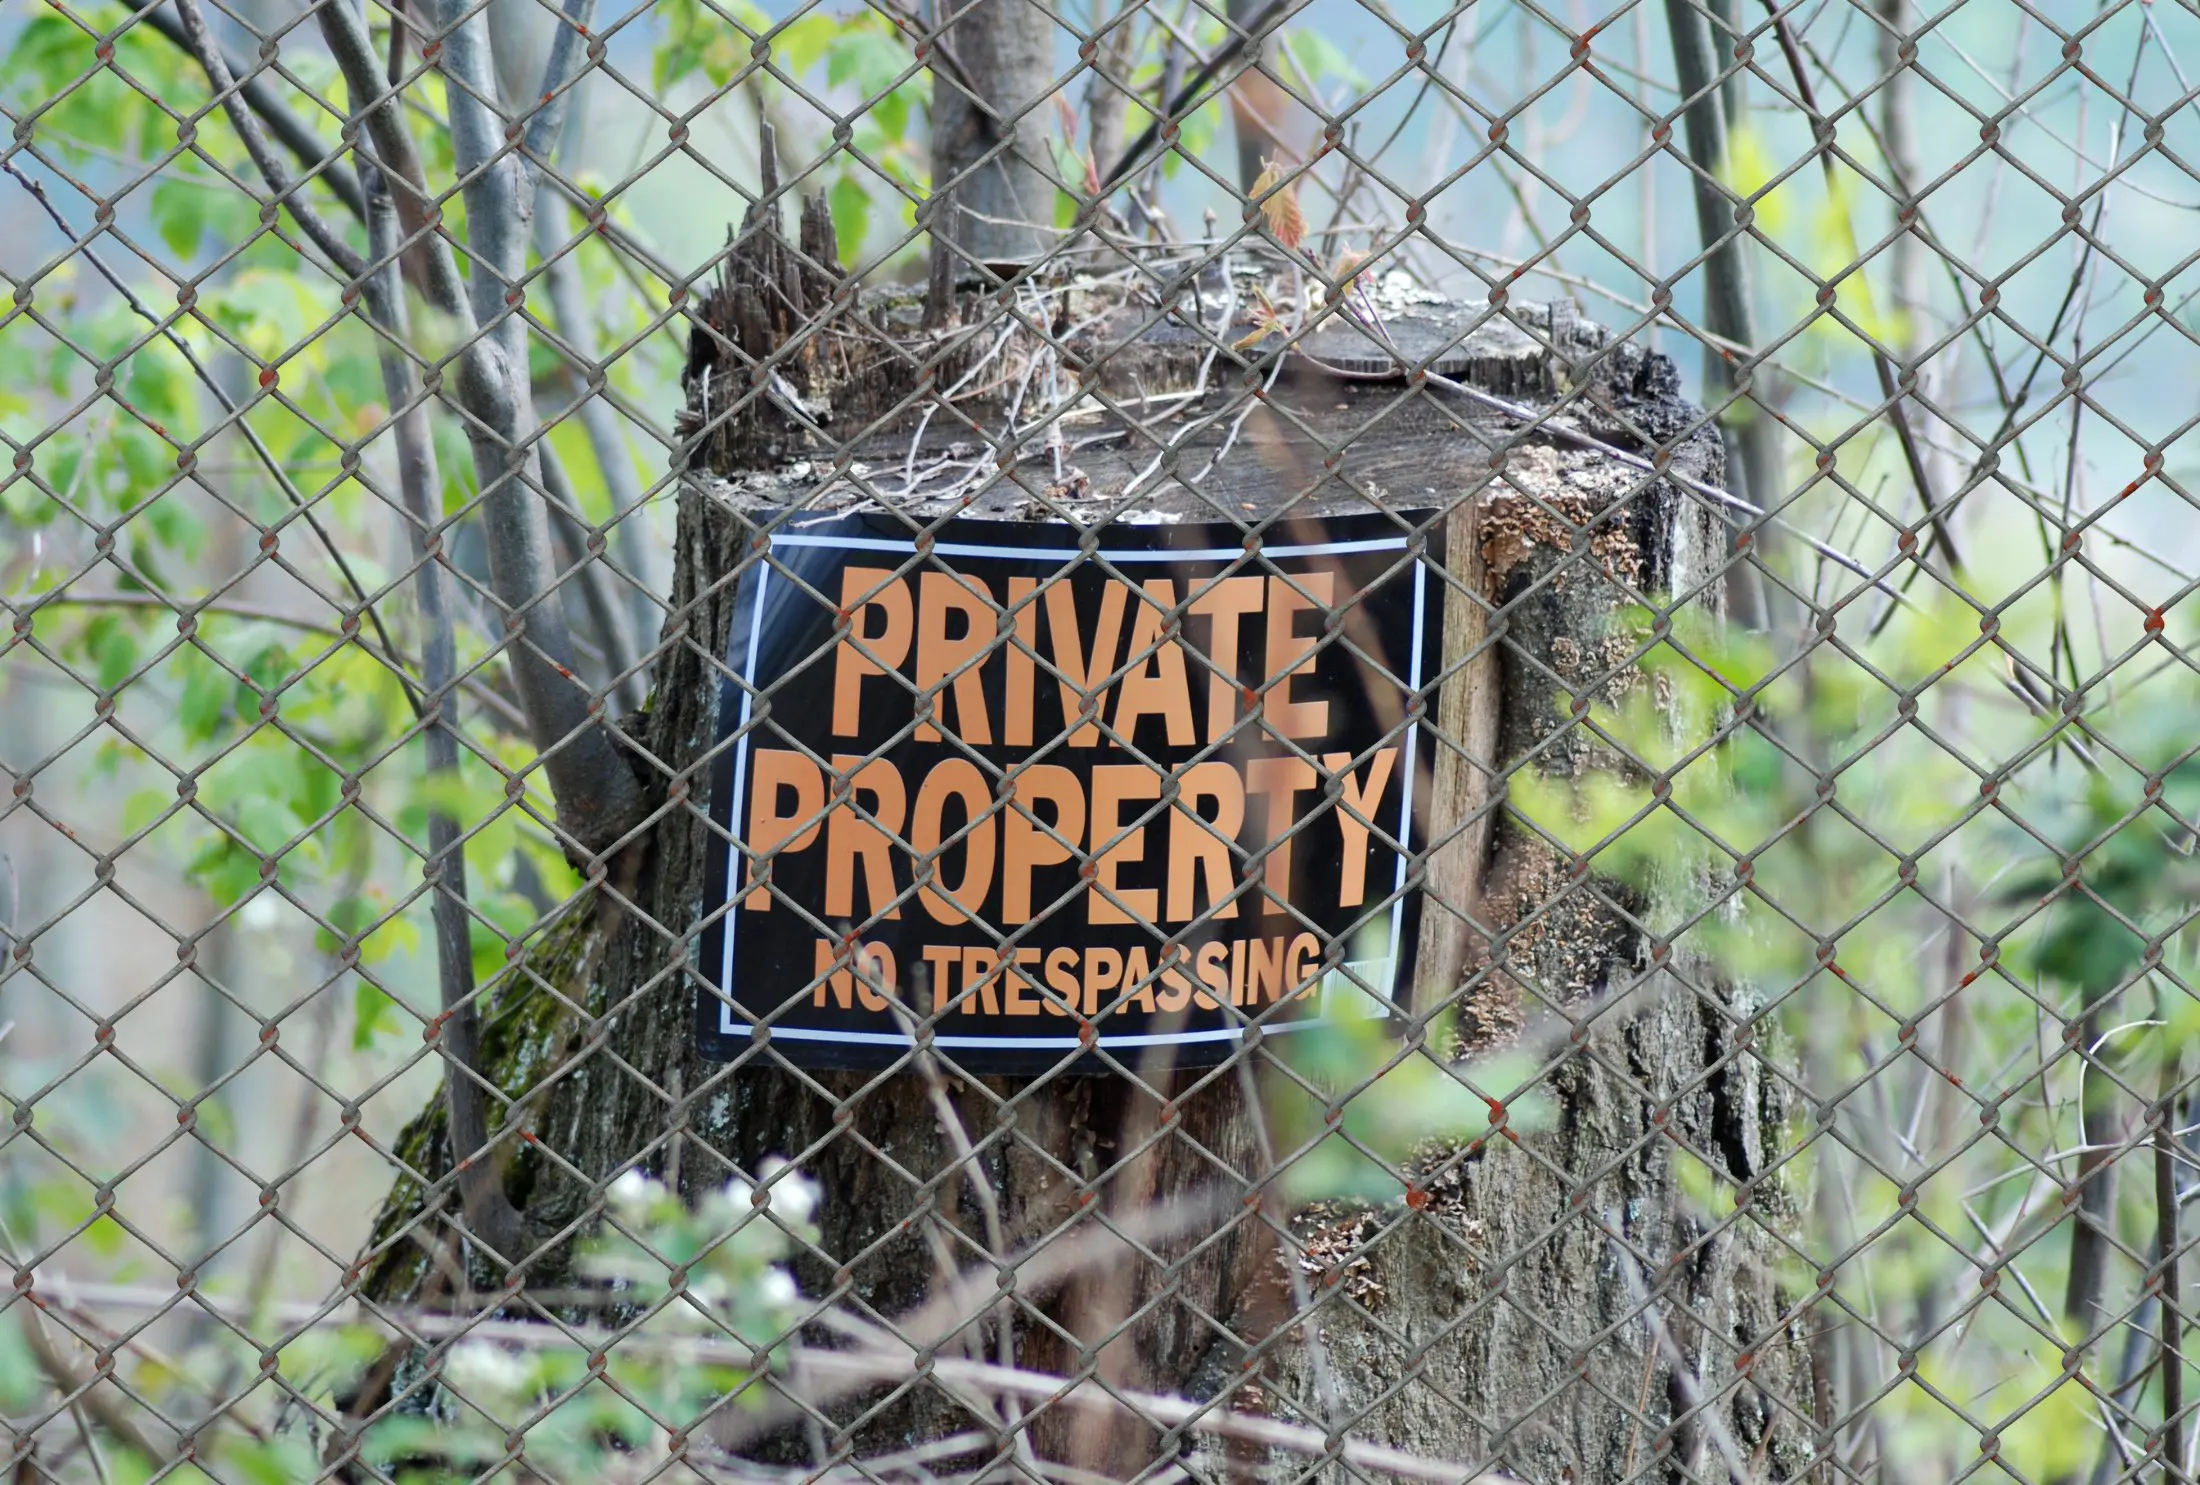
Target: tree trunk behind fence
<point>1488,1320</point>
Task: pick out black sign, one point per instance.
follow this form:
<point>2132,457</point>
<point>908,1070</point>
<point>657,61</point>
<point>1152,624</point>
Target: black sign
<point>1032,800</point>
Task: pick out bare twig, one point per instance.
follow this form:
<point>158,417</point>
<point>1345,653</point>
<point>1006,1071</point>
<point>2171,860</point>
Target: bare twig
<point>582,554</point>
<point>375,105</point>
<point>1910,273</point>
<point>1683,1374</point>
<point>598,796</point>
<point>489,1212</point>
<point>2092,1238</point>
<point>1548,424</point>
<point>92,1450</point>
<point>854,1370</point>
<point>264,159</point>
<point>397,661</point>
<point>2172,1364</point>
<point>547,111</point>
<point>1727,314</point>
<point>291,131</point>
<point>1302,1295</point>
<point>589,376</point>
<point>96,1400</point>
<point>843,1373</point>
<point>599,799</point>
<point>981,1190</point>
<point>1246,32</point>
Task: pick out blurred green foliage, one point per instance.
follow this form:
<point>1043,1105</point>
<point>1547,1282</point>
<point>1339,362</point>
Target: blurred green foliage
<point>1939,893</point>
<point>1929,884</point>
<point>694,1297</point>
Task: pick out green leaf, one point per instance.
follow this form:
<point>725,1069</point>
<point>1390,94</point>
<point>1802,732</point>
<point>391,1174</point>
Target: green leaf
<point>20,1378</point>
<point>2085,946</point>
<point>267,823</point>
<point>399,936</point>
<point>202,706</point>
<point>373,1016</point>
<point>851,208</point>
<point>49,54</point>
<point>804,42</point>
<point>143,807</point>
<point>395,1441</point>
<point>27,506</point>
<point>1322,59</point>
<point>179,212</point>
<point>1391,1105</point>
<point>509,917</point>
<point>283,1459</point>
<point>223,870</point>
<point>114,651</point>
<point>173,526</point>
<point>105,1237</point>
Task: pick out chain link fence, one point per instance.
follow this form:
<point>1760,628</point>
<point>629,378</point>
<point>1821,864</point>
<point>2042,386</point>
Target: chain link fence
<point>1096,740</point>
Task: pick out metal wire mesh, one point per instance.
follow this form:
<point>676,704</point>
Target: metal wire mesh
<point>1096,741</point>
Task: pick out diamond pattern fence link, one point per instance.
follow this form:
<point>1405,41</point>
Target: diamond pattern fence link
<point>1061,740</point>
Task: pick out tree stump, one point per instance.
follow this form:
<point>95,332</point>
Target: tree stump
<point>1486,1319</point>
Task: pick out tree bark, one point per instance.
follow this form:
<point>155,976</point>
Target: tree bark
<point>1257,105</point>
<point>991,164</point>
<point>1508,1313</point>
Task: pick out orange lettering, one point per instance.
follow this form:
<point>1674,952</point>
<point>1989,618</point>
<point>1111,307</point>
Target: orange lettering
<point>1225,602</point>
<point>1176,990</point>
<point>1017,985</point>
<point>1083,671</point>
<point>875,976</point>
<point>1028,841</point>
<point>1290,655</point>
<point>1020,705</point>
<point>1062,980</point>
<point>867,590</point>
<point>1155,685</point>
<point>1103,972</point>
<point>981,973</point>
<point>1264,976</point>
<point>1280,780</point>
<point>956,778</point>
<point>953,660</point>
<point>850,838</point>
<point>1137,981</point>
<point>1196,842</point>
<point>1113,786</point>
<point>823,971</point>
<point>1300,975</point>
<point>939,963</point>
<point>1209,965</point>
<point>773,830</point>
<point>1356,815</point>
<point>873,973</point>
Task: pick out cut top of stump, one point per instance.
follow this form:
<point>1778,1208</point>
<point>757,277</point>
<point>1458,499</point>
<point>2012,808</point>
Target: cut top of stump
<point>1063,405</point>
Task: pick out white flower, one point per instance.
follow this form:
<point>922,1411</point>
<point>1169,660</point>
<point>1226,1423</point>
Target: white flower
<point>729,1203</point>
<point>484,1371</point>
<point>777,1288</point>
<point>795,1196</point>
<point>633,1194</point>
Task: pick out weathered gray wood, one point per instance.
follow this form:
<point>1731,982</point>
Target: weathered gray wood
<point>1486,1321</point>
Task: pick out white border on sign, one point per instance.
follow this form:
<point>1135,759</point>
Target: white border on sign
<point>730,1025</point>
